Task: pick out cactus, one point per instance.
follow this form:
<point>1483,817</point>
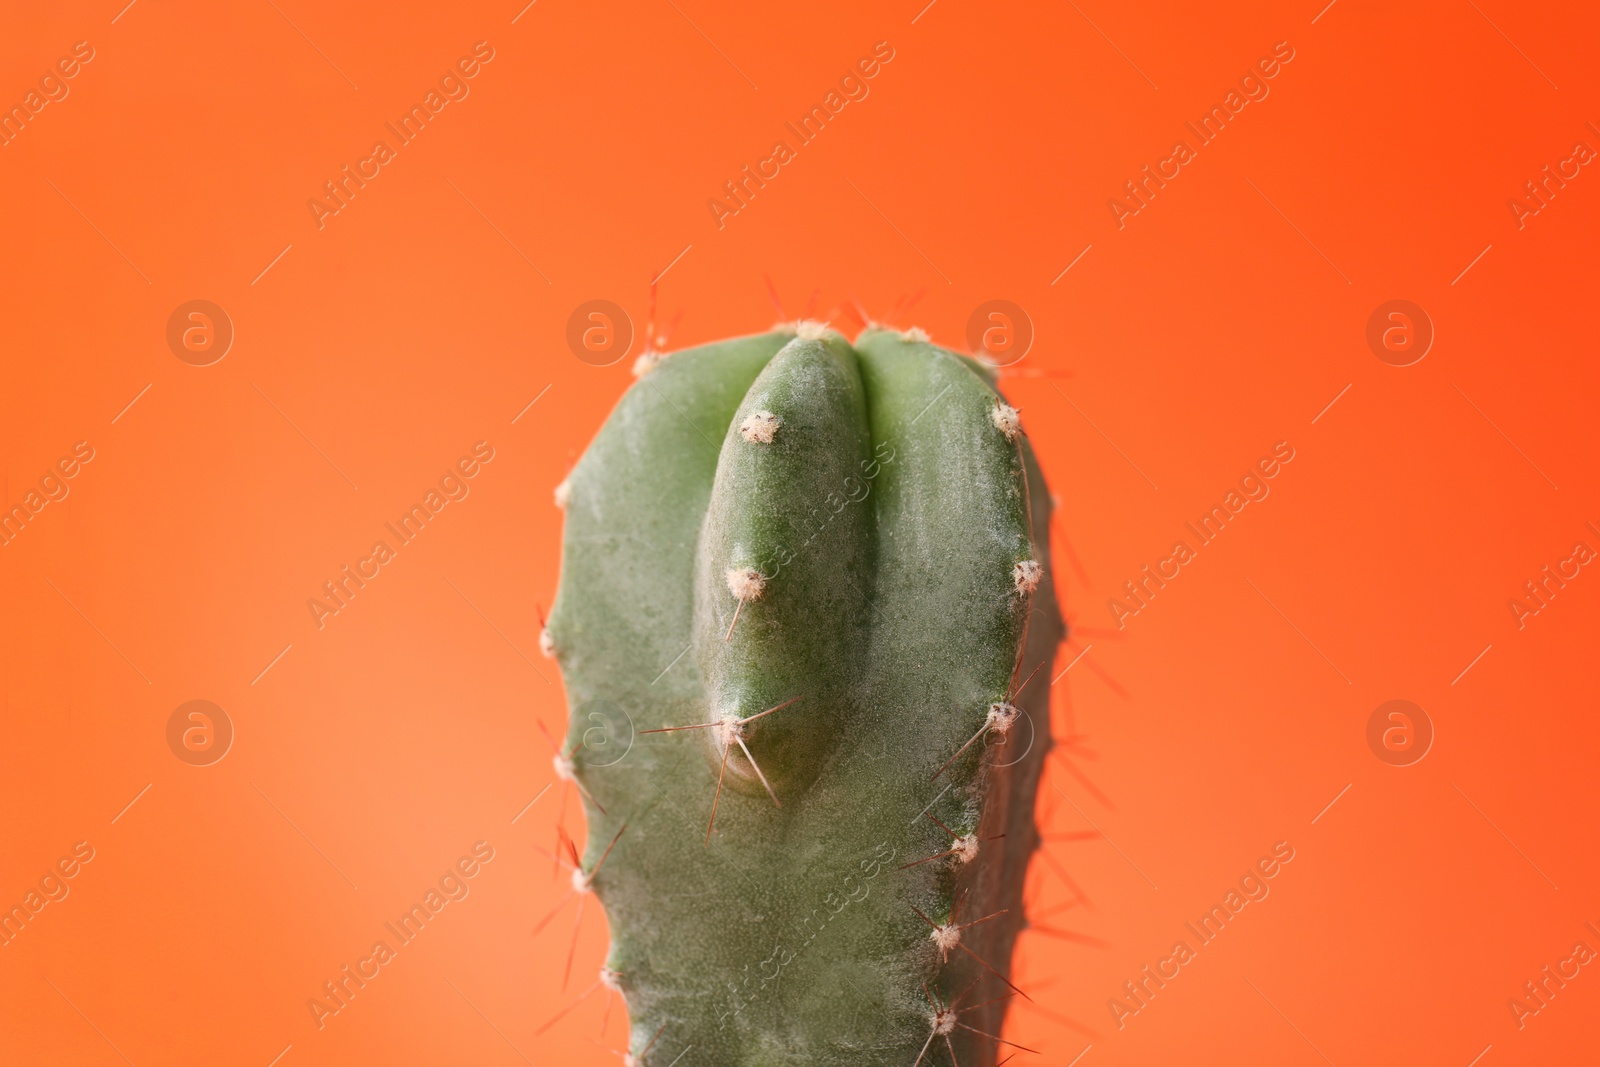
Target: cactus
<point>805,587</point>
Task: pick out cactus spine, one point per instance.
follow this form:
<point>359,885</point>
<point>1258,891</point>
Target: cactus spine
<point>805,588</point>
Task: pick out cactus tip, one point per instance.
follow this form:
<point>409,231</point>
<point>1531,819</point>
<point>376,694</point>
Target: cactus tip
<point>1027,574</point>
<point>916,333</point>
<point>563,767</point>
<point>547,644</point>
<point>612,980</point>
<point>760,427</point>
<point>563,493</point>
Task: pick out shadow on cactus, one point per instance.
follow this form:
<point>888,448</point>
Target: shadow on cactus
<point>814,577</point>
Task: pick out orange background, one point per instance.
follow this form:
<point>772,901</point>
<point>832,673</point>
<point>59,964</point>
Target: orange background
<point>431,310</point>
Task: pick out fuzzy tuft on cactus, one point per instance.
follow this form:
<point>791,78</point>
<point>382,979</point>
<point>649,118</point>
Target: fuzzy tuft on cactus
<point>815,576</point>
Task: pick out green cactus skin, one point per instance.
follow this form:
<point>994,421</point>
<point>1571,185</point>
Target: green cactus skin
<point>881,495</point>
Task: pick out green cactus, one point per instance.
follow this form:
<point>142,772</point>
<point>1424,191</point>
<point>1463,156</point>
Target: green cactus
<point>804,588</point>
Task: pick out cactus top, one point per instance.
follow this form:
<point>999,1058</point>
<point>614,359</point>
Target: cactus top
<point>805,585</point>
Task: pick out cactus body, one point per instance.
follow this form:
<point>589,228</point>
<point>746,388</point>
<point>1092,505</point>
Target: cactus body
<point>856,536</point>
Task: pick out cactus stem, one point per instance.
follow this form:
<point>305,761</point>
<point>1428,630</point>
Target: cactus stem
<point>661,533</point>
